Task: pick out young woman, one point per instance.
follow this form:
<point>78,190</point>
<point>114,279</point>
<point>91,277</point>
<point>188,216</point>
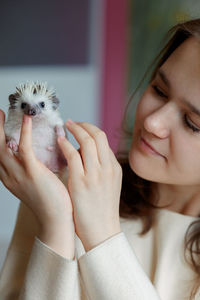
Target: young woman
<point>136,238</point>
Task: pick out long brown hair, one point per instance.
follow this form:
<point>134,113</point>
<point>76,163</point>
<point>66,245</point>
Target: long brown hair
<point>138,198</point>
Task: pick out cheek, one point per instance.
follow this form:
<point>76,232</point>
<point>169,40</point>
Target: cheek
<point>185,160</point>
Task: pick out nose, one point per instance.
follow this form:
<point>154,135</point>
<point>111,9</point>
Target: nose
<point>32,112</point>
<point>160,121</point>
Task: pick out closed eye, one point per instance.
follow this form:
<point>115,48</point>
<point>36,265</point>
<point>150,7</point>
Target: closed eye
<point>186,121</point>
<point>158,91</point>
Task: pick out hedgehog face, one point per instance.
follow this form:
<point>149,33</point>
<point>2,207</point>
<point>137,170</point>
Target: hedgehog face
<point>34,99</point>
<point>31,109</point>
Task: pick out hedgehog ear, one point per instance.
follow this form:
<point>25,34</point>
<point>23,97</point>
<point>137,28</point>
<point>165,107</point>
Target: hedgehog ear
<point>12,98</point>
<point>56,103</point>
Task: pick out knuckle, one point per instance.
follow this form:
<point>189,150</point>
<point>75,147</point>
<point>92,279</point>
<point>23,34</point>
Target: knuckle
<point>6,183</point>
<point>114,169</point>
<point>88,140</point>
<point>22,149</point>
<point>84,123</point>
<point>12,183</point>
<point>18,180</point>
<point>72,155</point>
<point>100,135</point>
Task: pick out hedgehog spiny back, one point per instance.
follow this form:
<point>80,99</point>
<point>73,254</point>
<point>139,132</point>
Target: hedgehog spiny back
<point>35,88</point>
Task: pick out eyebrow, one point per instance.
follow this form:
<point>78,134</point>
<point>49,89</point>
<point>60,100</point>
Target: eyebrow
<point>168,84</point>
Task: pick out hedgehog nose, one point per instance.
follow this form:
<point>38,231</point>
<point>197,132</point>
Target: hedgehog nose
<point>32,112</point>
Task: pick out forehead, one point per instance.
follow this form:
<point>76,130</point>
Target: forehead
<point>183,66</point>
<point>185,58</point>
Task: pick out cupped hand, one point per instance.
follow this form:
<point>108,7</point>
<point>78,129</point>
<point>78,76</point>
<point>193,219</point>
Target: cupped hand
<point>30,180</point>
<point>94,183</point>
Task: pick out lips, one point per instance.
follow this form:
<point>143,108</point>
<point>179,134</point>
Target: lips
<point>150,146</point>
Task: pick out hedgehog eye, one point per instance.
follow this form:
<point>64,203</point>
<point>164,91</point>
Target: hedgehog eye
<point>23,105</point>
<point>42,104</point>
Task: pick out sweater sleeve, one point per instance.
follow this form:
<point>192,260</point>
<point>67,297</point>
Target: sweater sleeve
<point>111,271</point>
<point>12,273</point>
<point>32,270</point>
<point>50,276</point>
<point>18,254</point>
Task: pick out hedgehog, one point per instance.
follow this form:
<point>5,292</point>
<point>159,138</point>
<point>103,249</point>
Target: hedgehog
<point>41,103</point>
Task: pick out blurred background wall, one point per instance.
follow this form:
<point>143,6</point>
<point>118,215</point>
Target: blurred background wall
<point>94,52</point>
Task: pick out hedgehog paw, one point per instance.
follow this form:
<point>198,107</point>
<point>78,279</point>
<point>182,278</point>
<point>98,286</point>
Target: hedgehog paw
<point>50,148</point>
<point>12,144</point>
<point>59,130</point>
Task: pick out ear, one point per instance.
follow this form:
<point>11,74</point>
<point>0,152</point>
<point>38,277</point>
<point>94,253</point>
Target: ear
<point>13,99</point>
<point>56,103</point>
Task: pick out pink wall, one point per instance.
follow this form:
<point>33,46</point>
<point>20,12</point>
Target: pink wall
<point>114,69</point>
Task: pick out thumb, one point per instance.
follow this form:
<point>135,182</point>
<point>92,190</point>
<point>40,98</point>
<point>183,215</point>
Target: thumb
<point>2,132</point>
<point>25,142</point>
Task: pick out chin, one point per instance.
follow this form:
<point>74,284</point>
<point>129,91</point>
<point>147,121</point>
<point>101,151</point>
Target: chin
<point>142,169</point>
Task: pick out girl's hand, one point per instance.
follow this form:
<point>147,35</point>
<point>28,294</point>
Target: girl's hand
<point>94,183</point>
<point>31,182</point>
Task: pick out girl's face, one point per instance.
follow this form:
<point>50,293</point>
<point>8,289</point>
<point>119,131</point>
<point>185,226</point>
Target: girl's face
<point>168,118</point>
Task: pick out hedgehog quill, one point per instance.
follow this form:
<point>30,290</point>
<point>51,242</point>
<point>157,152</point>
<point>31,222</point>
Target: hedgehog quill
<point>41,103</point>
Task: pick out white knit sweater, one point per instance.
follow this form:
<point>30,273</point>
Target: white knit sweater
<point>124,267</point>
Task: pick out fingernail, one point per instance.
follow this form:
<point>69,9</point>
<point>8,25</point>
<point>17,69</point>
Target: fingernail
<point>26,119</point>
<point>69,122</point>
<point>61,138</point>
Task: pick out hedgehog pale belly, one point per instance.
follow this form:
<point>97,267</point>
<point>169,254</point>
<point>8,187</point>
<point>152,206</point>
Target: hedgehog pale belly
<point>52,159</point>
<point>46,149</point>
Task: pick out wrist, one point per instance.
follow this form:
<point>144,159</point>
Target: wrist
<point>60,237</point>
<point>92,240</point>
<point>26,228</point>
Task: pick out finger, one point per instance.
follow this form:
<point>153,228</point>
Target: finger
<point>8,166</point>
<point>3,174</point>
<point>25,142</point>
<point>74,162</point>
<point>4,150</point>
<point>101,141</point>
<point>7,159</point>
<point>87,145</point>
<point>9,170</point>
<point>2,133</point>
<point>112,156</point>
